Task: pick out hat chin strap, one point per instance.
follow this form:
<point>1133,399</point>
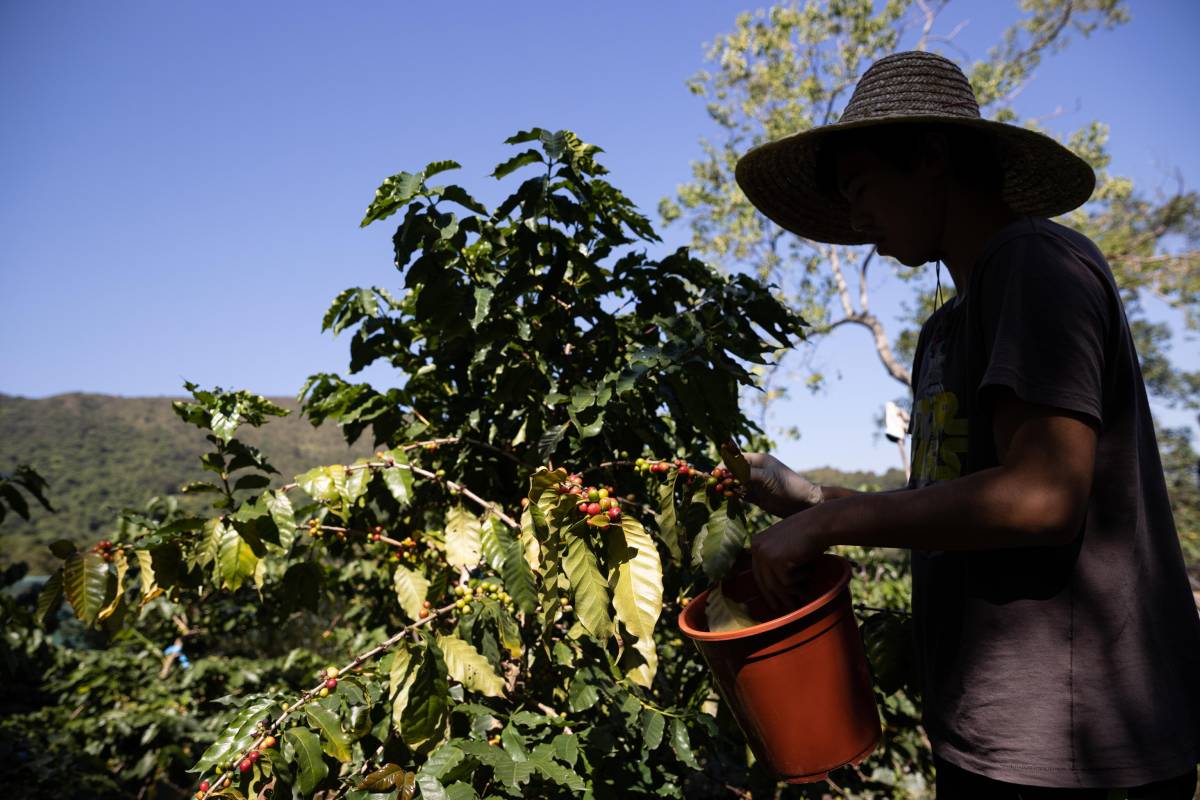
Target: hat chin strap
<point>940,238</point>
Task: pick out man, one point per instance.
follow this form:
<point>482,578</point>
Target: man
<point>1057,638</point>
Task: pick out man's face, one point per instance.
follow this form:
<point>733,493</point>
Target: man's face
<point>899,210</point>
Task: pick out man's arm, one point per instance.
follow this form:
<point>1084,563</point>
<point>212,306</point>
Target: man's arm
<point>1037,496</point>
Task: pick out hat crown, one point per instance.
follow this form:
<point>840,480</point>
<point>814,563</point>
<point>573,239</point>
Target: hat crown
<point>911,84</point>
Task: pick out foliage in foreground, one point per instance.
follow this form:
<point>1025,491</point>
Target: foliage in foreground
<point>446,617</point>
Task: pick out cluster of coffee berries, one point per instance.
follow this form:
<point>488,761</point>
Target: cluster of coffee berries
<point>650,466</point>
<point>596,500</point>
<point>723,483</point>
<point>478,591</point>
<point>407,549</point>
<point>330,674</point>
<point>246,764</point>
<point>317,531</point>
<point>105,548</point>
<point>593,500</point>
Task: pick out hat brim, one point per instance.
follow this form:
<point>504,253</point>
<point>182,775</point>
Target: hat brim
<point>1042,178</point>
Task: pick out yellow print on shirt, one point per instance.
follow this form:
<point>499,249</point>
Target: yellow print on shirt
<point>939,439</point>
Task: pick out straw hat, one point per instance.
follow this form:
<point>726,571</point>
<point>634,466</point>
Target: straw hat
<point>1041,177</point>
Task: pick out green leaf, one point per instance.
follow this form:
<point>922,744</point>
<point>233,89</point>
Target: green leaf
<point>544,763</point>
<point>225,425</point>
<point>318,483</point>
<point>653,725</point>
<point>718,544</point>
<point>456,194</point>
<point>566,747</point>
<point>442,761</point>
<point>549,440</point>
<point>888,640</point>
<point>425,716</point>
<point>724,614</point>
<point>120,565</point>
<point>400,678</point>
<point>463,538</point>
<point>483,301</point>
<point>392,195</point>
<point>682,745</point>
<point>505,555</point>
<point>251,482</point>
<point>210,543</point>
<point>306,754</point>
<point>461,791</point>
<point>334,740</point>
<point>668,518</point>
<point>50,598</point>
<point>636,577</point>
<point>431,787</point>
<point>468,666</point>
<point>284,517</point>
<point>146,578</point>
<point>237,736</point>
<point>356,481</point>
<point>436,167</point>
<point>412,589</point>
<point>235,558</point>
<point>516,162</point>
<point>514,774</point>
<point>86,584</point>
<point>587,430</point>
<point>63,548</point>
<point>588,587</point>
<point>398,479</point>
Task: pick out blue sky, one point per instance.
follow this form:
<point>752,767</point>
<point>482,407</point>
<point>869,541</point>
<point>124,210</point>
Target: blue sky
<point>182,182</point>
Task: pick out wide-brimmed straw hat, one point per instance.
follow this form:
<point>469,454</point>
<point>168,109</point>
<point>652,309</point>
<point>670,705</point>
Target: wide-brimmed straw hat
<point>1040,176</point>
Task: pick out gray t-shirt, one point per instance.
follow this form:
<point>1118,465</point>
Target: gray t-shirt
<point>1065,666</point>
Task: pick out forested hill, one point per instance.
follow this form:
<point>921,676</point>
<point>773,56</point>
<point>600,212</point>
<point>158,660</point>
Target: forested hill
<point>101,453</point>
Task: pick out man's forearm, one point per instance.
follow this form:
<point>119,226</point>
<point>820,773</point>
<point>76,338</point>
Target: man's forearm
<point>993,508</point>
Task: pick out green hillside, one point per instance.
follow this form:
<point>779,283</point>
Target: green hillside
<point>101,453</point>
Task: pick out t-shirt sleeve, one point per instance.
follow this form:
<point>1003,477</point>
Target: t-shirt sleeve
<point>1045,317</point>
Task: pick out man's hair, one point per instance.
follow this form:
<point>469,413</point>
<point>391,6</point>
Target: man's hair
<point>974,154</point>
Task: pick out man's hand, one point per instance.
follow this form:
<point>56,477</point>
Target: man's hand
<point>776,489</point>
<point>780,554</point>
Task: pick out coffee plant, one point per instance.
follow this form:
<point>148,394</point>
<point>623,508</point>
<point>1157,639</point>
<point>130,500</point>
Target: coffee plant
<point>486,606</point>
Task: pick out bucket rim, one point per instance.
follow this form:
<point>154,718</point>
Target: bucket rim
<point>765,627</point>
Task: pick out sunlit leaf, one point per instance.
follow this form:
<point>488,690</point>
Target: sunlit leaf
<point>305,752</point>
<point>718,544</point>
<point>588,587</point>
<point>333,739</point>
<point>412,589</point>
<point>463,538</point>
<point>724,614</point>
<point>86,584</point>
<point>237,560</point>
<point>636,577</point>
<point>466,665</point>
<point>50,597</point>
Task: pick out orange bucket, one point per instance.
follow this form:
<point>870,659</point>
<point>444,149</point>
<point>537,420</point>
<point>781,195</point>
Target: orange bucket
<point>798,685</point>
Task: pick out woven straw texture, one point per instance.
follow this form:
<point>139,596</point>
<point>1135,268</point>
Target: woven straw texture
<point>1042,178</point>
